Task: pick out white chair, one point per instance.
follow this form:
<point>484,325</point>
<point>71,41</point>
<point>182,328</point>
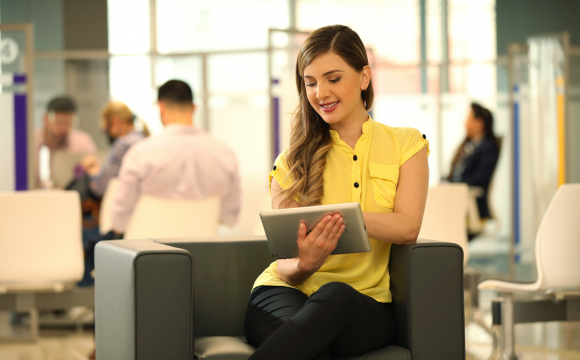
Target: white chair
<point>265,204</point>
<point>40,241</point>
<point>445,219</point>
<point>445,215</point>
<point>40,245</point>
<point>557,261</point>
<point>105,214</point>
<point>169,218</point>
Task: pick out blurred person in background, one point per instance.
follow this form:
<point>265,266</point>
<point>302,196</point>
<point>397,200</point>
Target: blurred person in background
<point>58,132</point>
<point>183,162</point>
<point>117,120</point>
<point>476,158</point>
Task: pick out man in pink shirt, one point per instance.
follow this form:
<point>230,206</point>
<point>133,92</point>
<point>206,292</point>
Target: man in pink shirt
<point>183,162</point>
<point>58,134</point>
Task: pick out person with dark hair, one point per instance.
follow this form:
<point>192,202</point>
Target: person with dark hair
<point>323,306</point>
<point>58,132</point>
<point>183,162</point>
<point>477,156</point>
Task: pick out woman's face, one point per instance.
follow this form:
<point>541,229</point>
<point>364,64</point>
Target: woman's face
<point>473,126</point>
<point>333,87</point>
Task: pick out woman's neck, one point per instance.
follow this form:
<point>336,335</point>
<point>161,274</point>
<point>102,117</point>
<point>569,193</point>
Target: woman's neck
<point>477,138</point>
<point>350,129</point>
<point>127,129</point>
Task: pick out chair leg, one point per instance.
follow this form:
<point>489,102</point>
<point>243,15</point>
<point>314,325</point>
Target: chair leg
<point>508,329</point>
<point>472,279</point>
<point>34,325</point>
<point>478,319</point>
<point>503,334</point>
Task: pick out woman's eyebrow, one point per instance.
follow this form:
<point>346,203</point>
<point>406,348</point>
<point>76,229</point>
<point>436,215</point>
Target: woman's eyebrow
<point>326,73</point>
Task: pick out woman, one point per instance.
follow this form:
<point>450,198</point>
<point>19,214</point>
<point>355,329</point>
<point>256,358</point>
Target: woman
<point>320,304</point>
<point>117,121</point>
<point>476,158</point>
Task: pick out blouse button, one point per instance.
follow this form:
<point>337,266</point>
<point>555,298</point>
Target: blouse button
<point>424,136</point>
<point>356,185</point>
<point>354,158</point>
<point>274,167</point>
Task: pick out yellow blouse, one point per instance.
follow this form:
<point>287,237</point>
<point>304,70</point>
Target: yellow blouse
<point>367,175</point>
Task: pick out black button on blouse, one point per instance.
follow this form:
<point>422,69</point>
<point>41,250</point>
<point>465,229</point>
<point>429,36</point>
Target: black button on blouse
<point>356,185</point>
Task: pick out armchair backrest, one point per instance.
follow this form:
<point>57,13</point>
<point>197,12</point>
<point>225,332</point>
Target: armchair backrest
<point>558,240</point>
<point>219,302</point>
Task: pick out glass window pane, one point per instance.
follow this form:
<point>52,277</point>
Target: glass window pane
<point>472,29</point>
<point>49,81</point>
<point>239,109</point>
<point>433,23</point>
<point>196,26</point>
<point>130,82</point>
<point>129,27</point>
<point>390,27</point>
<point>238,73</point>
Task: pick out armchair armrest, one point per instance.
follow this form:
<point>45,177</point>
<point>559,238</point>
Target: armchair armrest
<point>143,301</point>
<point>427,290</point>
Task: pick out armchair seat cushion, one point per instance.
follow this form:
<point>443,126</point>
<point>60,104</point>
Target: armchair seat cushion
<point>222,348</point>
<point>237,348</point>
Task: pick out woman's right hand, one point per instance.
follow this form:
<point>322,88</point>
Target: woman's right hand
<point>316,246</point>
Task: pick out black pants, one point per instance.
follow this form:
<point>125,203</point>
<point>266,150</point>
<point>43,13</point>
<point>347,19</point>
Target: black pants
<point>285,324</point>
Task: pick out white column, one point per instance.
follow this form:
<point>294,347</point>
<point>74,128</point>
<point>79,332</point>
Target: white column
<point>7,176</point>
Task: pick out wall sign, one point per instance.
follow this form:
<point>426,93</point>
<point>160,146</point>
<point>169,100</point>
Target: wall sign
<point>8,51</point>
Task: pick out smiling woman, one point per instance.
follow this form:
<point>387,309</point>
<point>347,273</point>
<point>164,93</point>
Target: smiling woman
<point>338,71</point>
<point>319,304</point>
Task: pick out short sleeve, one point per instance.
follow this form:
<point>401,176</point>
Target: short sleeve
<point>411,142</point>
<point>280,172</point>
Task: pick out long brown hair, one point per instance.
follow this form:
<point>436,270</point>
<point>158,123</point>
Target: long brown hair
<point>310,138</point>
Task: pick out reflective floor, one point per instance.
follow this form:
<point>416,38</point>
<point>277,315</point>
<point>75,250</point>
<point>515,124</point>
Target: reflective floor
<point>540,341</point>
<point>549,341</point>
<point>52,345</point>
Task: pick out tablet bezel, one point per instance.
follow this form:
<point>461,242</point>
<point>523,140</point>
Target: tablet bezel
<point>281,228</point>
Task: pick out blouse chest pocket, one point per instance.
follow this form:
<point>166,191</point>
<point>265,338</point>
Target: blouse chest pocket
<point>384,179</point>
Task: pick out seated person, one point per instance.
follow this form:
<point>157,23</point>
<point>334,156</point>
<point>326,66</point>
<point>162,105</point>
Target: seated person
<point>476,158</point>
<point>318,306</point>
<point>118,122</point>
<point>58,134</point>
<point>183,162</point>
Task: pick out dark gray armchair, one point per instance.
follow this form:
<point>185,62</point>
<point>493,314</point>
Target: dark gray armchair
<point>187,298</point>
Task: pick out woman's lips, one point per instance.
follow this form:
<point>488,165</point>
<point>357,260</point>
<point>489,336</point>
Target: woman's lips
<point>328,107</point>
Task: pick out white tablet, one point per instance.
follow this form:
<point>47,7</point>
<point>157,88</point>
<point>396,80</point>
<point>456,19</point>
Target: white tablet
<point>281,227</point>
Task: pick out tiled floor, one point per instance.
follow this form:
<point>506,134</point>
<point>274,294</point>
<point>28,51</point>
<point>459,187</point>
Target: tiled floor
<point>551,341</point>
<point>53,345</point>
<point>547,341</point>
